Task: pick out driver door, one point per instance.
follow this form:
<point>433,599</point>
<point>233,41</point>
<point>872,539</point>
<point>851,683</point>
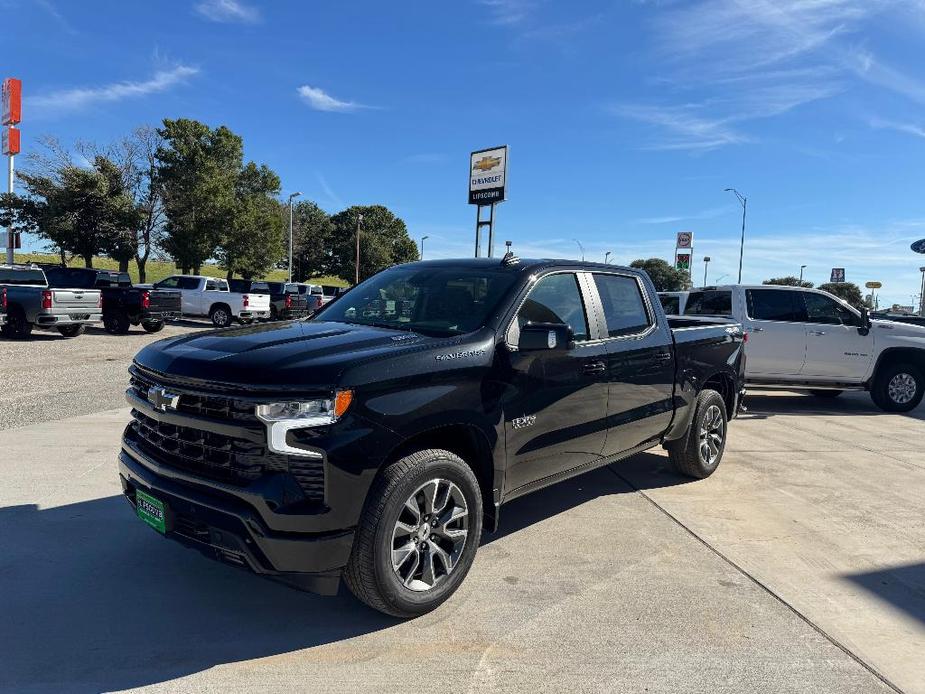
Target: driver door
<point>555,409</point>
<point>835,349</point>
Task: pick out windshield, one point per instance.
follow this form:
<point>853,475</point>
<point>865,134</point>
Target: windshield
<point>439,301</point>
<point>709,303</point>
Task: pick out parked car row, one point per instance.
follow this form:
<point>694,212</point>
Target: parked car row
<point>53,297</point>
<point>808,339</point>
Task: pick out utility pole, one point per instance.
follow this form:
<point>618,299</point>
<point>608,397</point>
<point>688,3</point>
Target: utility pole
<point>581,248</point>
<point>291,198</point>
<point>357,273</point>
<point>606,256</point>
<point>706,264</point>
<point>744,202</point>
<point>802,267</point>
<point>423,239</point>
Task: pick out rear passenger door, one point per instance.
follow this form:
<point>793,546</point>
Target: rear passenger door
<point>775,323</point>
<point>640,363</point>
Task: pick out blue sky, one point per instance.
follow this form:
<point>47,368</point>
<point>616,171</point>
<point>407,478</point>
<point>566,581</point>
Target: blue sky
<point>625,119</point>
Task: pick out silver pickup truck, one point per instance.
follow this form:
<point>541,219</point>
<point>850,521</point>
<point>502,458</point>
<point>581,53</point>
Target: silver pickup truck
<point>32,304</point>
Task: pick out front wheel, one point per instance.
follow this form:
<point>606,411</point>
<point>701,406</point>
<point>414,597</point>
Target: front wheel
<point>418,535</point>
<point>153,326</point>
<point>71,330</point>
<point>700,452</point>
<point>898,387</point>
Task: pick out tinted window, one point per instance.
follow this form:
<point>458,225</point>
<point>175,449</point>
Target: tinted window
<point>123,279</point>
<point>774,304</point>
<point>236,285</point>
<point>263,288</point>
<point>292,289</point>
<point>624,310</point>
<point>169,283</point>
<point>329,289</point>
<point>556,299</point>
<point>670,304</point>
<point>822,309</point>
<point>188,283</point>
<point>429,300</point>
<point>272,287</point>
<point>709,303</point>
<point>75,279</point>
<point>22,276</point>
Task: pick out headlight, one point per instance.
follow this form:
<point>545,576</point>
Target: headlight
<point>281,417</point>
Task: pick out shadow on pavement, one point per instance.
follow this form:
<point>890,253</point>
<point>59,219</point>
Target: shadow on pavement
<point>901,586</point>
<point>93,600</point>
<point>762,405</point>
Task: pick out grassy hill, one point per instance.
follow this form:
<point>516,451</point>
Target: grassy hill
<point>158,269</point>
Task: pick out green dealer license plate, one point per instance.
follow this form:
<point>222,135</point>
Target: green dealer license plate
<point>152,511</point>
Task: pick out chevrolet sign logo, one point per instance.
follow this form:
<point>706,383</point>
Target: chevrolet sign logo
<point>161,399</point>
<point>486,164</point>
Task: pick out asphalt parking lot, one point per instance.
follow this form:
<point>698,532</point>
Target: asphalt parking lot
<point>798,567</point>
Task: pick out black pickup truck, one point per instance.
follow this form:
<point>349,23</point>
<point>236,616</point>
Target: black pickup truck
<point>372,442</point>
<point>124,305</point>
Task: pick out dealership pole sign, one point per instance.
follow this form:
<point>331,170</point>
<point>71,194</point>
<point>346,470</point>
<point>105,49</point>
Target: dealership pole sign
<point>12,114</point>
<point>838,275</point>
<point>684,252</point>
<point>487,187</point>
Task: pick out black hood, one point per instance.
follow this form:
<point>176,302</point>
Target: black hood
<point>293,355</point>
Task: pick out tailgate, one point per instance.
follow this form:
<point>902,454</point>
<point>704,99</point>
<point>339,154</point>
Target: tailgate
<point>87,300</point>
<point>299,302</point>
<point>258,302</point>
<point>165,300</point>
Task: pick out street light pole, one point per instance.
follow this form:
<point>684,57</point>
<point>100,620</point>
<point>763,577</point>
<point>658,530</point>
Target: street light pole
<point>581,248</point>
<point>744,202</point>
<point>356,280</point>
<point>802,267</point>
<point>922,295</point>
<point>423,239</point>
<point>606,256</point>
<point>291,197</point>
<point>706,264</point>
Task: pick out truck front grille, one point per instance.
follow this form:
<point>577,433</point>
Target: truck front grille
<point>200,404</point>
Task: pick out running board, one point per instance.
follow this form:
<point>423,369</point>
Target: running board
<point>806,385</point>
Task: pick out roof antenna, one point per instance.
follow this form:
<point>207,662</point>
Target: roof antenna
<point>509,257</point>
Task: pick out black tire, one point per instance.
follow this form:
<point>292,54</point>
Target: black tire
<point>370,574</point>
<point>898,387</point>
<point>220,315</point>
<point>71,330</point>
<point>116,322</point>
<point>274,314</point>
<point>826,393</point>
<point>688,455</point>
<point>17,327</point>
<point>153,326</point>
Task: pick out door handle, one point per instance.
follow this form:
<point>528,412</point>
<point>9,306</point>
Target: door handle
<point>663,356</point>
<point>757,330</point>
<point>595,367</point>
<point>817,332</point>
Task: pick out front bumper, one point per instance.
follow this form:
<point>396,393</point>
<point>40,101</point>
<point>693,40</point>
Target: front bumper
<point>249,315</point>
<point>226,523</point>
<point>53,320</point>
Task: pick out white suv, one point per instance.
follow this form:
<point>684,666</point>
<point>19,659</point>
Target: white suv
<point>808,339</point>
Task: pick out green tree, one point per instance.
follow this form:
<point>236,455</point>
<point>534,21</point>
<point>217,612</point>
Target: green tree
<point>665,277</point>
<point>198,168</point>
<point>847,291</point>
<point>789,281</point>
<point>313,235</point>
<point>252,241</point>
<point>384,242</point>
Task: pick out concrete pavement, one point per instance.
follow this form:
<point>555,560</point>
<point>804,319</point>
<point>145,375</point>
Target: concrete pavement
<point>591,585</point>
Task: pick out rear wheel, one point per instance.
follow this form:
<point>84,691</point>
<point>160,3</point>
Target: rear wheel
<point>116,322</point>
<point>71,330</point>
<point>826,393</point>
<point>274,314</point>
<point>17,327</point>
<point>898,387</point>
<point>153,326</point>
<point>220,316</point>
<point>418,535</point>
<point>700,452</point>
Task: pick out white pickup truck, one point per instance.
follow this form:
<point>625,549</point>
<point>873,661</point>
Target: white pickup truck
<point>806,339</point>
<point>209,296</point>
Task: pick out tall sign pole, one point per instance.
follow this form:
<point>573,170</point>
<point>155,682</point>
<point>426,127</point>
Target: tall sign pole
<point>12,115</point>
<point>684,253</point>
<point>487,187</point>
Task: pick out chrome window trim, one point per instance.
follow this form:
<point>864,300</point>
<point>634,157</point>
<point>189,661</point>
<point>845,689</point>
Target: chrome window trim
<point>532,282</point>
<point>647,305</point>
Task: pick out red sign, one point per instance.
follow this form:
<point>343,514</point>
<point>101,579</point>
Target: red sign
<point>10,140</point>
<point>12,101</point>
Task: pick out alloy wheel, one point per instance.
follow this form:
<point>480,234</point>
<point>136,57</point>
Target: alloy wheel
<point>430,535</point>
<point>901,388</point>
<point>712,431</point>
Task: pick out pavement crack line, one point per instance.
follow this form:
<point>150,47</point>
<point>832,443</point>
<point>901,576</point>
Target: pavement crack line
<point>767,589</point>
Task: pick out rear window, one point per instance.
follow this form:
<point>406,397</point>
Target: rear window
<point>67,278</point>
<point>624,310</point>
<point>774,304</point>
<point>329,289</point>
<point>22,276</point>
<point>671,304</point>
<point>709,302</point>
<point>272,287</point>
<point>260,288</point>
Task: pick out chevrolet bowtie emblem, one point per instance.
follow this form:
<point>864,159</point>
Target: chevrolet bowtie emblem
<point>161,399</point>
<point>486,163</point>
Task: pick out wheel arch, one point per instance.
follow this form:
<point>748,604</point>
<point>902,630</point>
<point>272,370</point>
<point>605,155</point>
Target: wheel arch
<point>898,355</point>
<point>724,384</point>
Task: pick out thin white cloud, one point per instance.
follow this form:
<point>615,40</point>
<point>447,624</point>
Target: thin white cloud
<point>711,213</point>
<point>907,128</point>
<point>228,11</point>
<point>682,127</point>
<point>52,10</point>
<point>333,197</point>
<point>81,97</point>
<point>320,100</point>
<point>508,11</point>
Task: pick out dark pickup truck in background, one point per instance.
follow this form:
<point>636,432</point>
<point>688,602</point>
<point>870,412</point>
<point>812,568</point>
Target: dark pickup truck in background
<point>286,302</point>
<point>373,441</point>
<point>124,305</point>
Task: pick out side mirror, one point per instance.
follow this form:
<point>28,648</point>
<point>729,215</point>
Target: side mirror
<point>548,336</point>
<point>865,321</point>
